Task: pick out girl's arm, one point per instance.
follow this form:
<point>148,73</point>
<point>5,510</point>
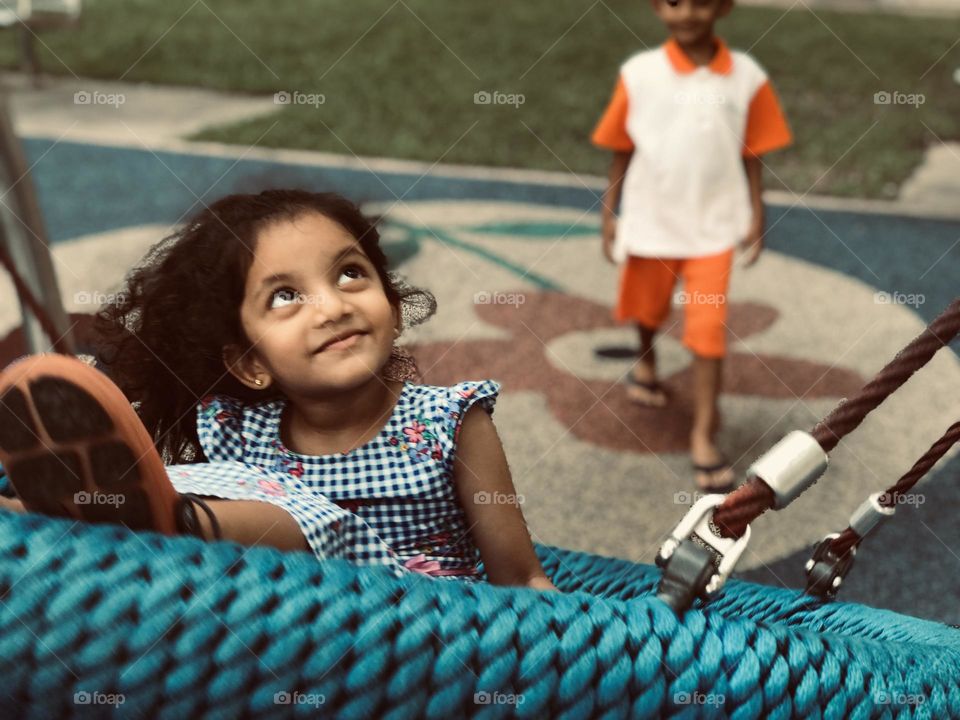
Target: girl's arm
<point>489,501</point>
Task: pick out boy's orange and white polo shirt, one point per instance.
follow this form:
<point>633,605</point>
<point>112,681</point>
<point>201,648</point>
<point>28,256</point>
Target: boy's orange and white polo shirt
<point>686,193</point>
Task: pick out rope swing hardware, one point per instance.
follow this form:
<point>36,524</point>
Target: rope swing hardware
<point>829,565</point>
<point>690,570</point>
<point>870,514</point>
<point>826,569</point>
<point>790,467</point>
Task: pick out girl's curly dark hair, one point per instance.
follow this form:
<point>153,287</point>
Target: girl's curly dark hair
<point>161,340</point>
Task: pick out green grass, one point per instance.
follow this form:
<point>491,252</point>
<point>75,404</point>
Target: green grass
<point>400,92</point>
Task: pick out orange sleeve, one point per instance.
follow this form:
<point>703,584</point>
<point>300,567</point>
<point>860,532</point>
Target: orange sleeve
<point>767,128</point>
<point>611,131</point>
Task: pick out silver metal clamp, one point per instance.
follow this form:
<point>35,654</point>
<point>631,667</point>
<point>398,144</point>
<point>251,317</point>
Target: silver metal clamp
<point>790,466</point>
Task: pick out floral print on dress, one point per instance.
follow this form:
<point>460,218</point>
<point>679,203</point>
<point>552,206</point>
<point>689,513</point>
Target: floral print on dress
<point>418,440</point>
<point>271,487</point>
<point>398,486</point>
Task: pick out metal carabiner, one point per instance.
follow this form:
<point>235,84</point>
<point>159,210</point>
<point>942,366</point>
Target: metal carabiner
<point>690,571</point>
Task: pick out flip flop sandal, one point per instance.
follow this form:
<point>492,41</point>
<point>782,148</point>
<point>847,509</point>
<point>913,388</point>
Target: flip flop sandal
<point>72,446</point>
<point>651,386</point>
<point>710,470</point>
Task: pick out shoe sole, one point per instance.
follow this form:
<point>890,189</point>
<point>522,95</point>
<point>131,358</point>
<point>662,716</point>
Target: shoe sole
<point>72,446</point>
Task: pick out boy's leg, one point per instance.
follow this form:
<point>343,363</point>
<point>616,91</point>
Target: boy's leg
<point>713,470</point>
<point>646,287</point>
<point>706,280</point>
<point>646,388</point>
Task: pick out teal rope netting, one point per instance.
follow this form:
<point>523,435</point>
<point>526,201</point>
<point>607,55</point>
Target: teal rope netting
<point>182,629</point>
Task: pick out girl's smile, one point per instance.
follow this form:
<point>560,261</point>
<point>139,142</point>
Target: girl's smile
<point>344,341</point>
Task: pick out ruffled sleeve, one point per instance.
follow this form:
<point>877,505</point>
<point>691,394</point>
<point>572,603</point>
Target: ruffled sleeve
<point>220,428</point>
<point>464,395</point>
<point>458,399</point>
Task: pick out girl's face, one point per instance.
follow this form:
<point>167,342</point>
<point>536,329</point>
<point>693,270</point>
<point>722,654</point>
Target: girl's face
<point>309,285</point>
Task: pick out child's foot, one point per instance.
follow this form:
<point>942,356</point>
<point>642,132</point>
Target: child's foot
<point>643,388</point>
<point>713,472</point>
<point>72,446</point>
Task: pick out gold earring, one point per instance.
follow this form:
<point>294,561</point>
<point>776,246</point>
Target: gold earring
<point>258,381</point>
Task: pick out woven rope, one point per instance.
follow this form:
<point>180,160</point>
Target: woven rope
<point>183,628</point>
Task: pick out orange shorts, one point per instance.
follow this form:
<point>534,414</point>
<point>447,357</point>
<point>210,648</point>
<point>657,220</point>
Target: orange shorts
<point>646,292</point>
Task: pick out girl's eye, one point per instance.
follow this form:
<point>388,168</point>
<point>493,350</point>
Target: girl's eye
<point>352,272</point>
<point>283,296</point>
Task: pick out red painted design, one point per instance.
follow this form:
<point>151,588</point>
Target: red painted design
<point>614,422</point>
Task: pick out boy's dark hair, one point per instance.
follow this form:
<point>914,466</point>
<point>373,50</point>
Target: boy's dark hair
<point>161,341</point>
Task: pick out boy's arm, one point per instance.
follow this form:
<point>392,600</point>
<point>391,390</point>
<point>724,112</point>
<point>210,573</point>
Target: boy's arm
<point>489,501</point>
<point>611,199</point>
<point>753,242</point>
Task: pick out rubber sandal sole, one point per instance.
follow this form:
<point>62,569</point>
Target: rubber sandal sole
<point>651,387</point>
<point>72,446</point>
<point>710,470</point>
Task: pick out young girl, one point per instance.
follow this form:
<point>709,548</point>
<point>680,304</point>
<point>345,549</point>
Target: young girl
<point>257,345</point>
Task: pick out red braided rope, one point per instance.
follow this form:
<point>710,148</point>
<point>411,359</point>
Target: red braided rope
<point>27,296</point>
<point>755,497</point>
<point>848,538</point>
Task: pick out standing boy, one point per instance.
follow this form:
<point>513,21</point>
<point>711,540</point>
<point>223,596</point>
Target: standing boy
<point>687,123</point>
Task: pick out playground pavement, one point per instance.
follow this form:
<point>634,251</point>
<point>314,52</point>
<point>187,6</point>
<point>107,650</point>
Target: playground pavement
<point>524,298</point>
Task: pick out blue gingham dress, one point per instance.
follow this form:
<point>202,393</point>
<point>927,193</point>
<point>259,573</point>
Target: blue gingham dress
<point>389,502</point>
